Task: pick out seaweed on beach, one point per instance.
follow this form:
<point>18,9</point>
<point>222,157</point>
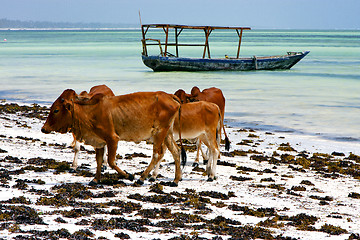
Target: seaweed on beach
<point>260,212</point>
<point>135,154</point>
<point>138,225</point>
<point>301,221</point>
<point>332,230</point>
<point>240,178</point>
<point>47,163</point>
<point>73,190</point>
<point>224,226</point>
<point>123,207</point>
<point>286,147</point>
<point>5,175</point>
<point>82,212</point>
<point>112,179</point>
<point>214,194</point>
<point>239,153</point>
<point>155,213</point>
<point>36,234</point>
<point>20,214</point>
<point>33,111</point>
<point>354,195</point>
<point>11,159</point>
<point>17,200</point>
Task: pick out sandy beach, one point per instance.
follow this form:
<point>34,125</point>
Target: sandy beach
<point>270,185</point>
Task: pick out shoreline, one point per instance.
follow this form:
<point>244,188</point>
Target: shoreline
<point>262,184</point>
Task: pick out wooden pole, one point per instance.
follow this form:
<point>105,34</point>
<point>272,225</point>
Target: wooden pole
<point>206,47</point>
<point>176,43</point>
<point>240,37</point>
<point>144,42</point>
<point>166,39</point>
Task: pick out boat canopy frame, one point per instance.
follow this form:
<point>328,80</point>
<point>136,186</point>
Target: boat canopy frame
<point>178,29</point>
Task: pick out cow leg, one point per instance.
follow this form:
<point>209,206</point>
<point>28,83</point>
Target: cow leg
<point>76,145</point>
<point>214,154</point>
<point>112,147</point>
<point>156,169</point>
<point>205,155</point>
<point>213,160</point>
<point>99,155</point>
<point>158,153</point>
<point>198,147</point>
<point>175,152</point>
<point>105,162</point>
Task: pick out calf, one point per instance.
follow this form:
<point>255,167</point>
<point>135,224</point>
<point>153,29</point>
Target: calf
<point>213,95</point>
<point>201,120</point>
<point>104,120</point>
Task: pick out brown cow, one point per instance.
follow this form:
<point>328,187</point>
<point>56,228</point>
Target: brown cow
<point>201,120</point>
<point>102,89</point>
<point>213,95</point>
<point>101,121</point>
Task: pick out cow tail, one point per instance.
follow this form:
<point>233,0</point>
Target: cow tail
<point>227,141</point>
<point>183,152</point>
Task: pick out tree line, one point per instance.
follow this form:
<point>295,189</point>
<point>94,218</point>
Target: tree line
<point>6,23</point>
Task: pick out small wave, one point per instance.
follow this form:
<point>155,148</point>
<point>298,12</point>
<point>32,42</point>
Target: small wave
<point>260,126</point>
<point>347,139</point>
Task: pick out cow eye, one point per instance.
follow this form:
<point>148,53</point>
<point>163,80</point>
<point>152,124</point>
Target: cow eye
<point>56,110</point>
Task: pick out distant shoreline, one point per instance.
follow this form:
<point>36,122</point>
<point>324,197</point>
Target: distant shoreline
<point>138,28</point>
<point>68,29</point>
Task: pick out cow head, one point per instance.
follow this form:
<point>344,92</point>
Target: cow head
<point>61,111</point>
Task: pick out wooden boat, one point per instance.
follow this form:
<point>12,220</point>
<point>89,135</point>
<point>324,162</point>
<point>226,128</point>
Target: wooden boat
<point>166,61</point>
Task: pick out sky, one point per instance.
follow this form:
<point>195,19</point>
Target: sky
<point>258,14</point>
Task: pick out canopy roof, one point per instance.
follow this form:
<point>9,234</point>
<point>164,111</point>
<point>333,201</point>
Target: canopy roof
<point>178,29</point>
<point>191,27</point>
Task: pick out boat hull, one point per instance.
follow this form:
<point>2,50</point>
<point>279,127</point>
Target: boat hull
<point>159,63</point>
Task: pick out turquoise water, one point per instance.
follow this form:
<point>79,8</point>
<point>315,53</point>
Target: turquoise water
<point>318,96</point>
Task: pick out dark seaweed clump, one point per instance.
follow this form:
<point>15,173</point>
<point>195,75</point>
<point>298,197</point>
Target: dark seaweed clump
<point>123,207</point>
<point>188,199</point>
<point>325,164</point>
<point>20,214</point>
<point>66,195</point>
<point>333,230</point>
<point>33,111</point>
<point>121,223</point>
<point>354,195</point>
<point>61,233</point>
<point>16,200</point>
<point>260,212</point>
<point>73,190</point>
<point>45,164</point>
<point>301,221</point>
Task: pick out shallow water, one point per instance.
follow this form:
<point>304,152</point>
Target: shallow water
<point>318,96</point>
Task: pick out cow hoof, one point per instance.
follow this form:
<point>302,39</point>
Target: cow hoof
<point>195,164</point>
<point>131,177</point>
<point>210,179</point>
<point>71,170</point>
<point>152,179</point>
<point>173,184</point>
<point>139,182</point>
<point>205,161</point>
<point>93,183</point>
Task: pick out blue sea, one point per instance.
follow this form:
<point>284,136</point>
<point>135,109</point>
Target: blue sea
<point>319,96</point>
